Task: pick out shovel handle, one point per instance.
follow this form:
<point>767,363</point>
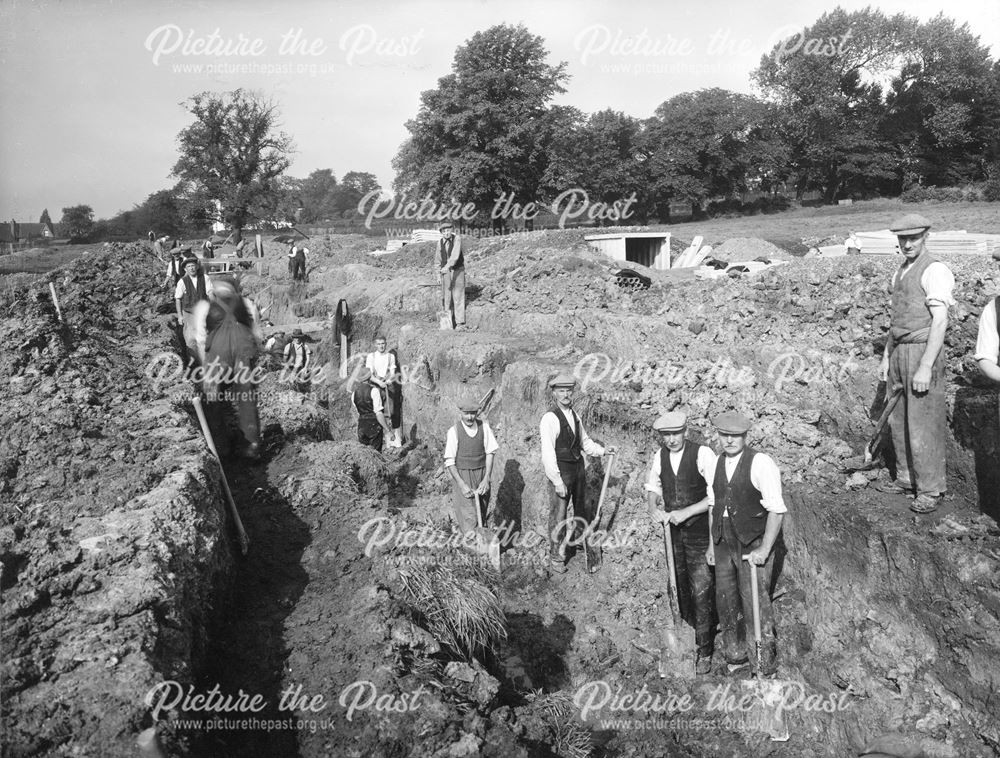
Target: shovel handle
<point>479,514</point>
<point>890,405</point>
<point>668,545</point>
<point>755,596</point>
<point>240,531</point>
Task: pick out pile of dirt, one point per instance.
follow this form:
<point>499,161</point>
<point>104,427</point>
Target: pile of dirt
<point>747,249</point>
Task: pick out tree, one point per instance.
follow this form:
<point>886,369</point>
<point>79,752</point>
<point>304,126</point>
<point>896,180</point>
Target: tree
<point>161,212</point>
<point>318,195</point>
<point>232,153</point>
<point>78,221</point>
<point>481,133</point>
<point>354,186</point>
<point>831,99</point>
<point>45,219</point>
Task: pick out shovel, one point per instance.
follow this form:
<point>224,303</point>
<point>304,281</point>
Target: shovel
<point>487,540</point>
<point>770,691</point>
<point>866,464</point>
<point>678,638</point>
<point>597,516</point>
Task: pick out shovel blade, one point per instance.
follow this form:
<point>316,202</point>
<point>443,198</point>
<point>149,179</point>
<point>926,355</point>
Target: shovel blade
<point>677,650</point>
<point>766,714</point>
<point>488,544</point>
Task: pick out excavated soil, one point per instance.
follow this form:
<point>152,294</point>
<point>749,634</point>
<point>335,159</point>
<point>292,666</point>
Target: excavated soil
<point>120,570</point>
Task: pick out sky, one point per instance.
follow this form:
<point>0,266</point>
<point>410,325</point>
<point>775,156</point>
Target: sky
<point>92,91</point>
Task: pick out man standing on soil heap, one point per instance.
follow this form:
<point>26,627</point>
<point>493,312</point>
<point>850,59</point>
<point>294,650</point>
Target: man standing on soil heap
<point>382,364</point>
<point>452,264</point>
<point>468,457</point>
<point>914,361</point>
<point>679,473</point>
<point>298,360</point>
<point>192,288</point>
<point>564,441</point>
<point>988,340</point>
<point>297,262</point>
<point>367,399</point>
<point>745,519</point>
<point>229,340</point>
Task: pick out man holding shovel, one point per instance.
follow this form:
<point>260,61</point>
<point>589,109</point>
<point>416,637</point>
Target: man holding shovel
<point>679,473</point>
<point>744,520</point>
<point>564,441</point>
<point>469,451</point>
<point>452,268</point>
<point>914,361</point>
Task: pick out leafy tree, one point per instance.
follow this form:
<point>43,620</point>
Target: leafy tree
<point>161,212</point>
<point>831,98</point>
<point>318,195</point>
<point>45,219</point>
<point>78,221</point>
<point>232,153</point>
<point>354,186</point>
<point>482,131</point>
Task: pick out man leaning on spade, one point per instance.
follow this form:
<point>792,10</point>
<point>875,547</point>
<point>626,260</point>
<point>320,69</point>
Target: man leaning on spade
<point>744,520</point>
<point>564,442</point>
<point>469,450</point>
<point>451,263</point>
<point>914,362</point>
<point>679,474</point>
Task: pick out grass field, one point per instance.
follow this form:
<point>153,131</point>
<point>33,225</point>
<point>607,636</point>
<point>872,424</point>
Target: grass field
<point>41,260</point>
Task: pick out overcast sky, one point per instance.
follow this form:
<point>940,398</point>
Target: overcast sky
<point>92,89</point>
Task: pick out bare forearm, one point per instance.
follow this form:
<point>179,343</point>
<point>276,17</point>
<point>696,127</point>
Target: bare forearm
<point>935,341</point>
<point>771,531</point>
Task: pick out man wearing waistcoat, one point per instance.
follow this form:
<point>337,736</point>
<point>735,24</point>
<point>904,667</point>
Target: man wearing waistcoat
<point>564,442</point>
<point>679,474</point>
<point>988,337</point>
<point>914,360</point>
<point>452,264</point>
<point>192,288</point>
<point>367,399</point>
<point>745,519</point>
<point>468,458</point>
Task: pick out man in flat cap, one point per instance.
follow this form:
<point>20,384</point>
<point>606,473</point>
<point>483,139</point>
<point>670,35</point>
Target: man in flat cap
<point>298,358</point>
<point>679,473</point>
<point>564,441</point>
<point>192,288</point>
<point>745,519</point>
<point>367,399</point>
<point>452,269</point>
<point>914,361</point>
<point>468,458</point>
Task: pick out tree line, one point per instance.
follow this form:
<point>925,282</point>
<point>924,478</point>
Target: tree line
<point>898,106</point>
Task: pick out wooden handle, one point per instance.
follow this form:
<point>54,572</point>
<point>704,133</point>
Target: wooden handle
<point>479,513</point>
<point>240,531</point>
<point>604,489</point>
<point>755,596</point>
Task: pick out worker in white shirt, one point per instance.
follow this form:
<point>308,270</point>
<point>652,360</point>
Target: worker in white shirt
<point>298,360</point>
<point>745,519</point>
<point>988,339</point>
<point>297,259</point>
<point>679,474</point>
<point>564,442</point>
<point>192,288</point>
<point>382,364</point>
<point>469,451</point>
<point>367,399</point>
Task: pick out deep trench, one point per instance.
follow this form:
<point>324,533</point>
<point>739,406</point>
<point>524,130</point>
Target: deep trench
<point>849,565</point>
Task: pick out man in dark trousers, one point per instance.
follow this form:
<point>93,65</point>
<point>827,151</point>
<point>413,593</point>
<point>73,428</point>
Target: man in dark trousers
<point>914,361</point>
<point>679,473</point>
<point>192,288</point>
<point>468,458</point>
<point>367,400</point>
<point>745,519</point>
<point>175,269</point>
<point>298,361</point>
<point>229,341</point>
<point>451,263</point>
<point>564,441</point>
<point>297,261</point>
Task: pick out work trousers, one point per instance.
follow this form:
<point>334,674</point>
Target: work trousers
<point>919,422</point>
<point>695,584</point>
<point>574,476</point>
<point>298,267</point>
<point>465,507</point>
<point>453,294</point>
<point>734,598</point>
<point>370,433</point>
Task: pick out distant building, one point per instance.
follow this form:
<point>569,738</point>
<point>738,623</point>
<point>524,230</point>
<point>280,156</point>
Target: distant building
<point>13,231</point>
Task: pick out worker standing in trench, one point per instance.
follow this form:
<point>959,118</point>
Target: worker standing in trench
<point>679,474</point>
<point>192,288</point>
<point>367,401</point>
<point>564,442</point>
<point>745,519</point>
<point>913,361</point>
<point>469,450</point>
<point>988,338</point>
<point>229,340</point>
<point>451,261</point>
<point>382,365</point>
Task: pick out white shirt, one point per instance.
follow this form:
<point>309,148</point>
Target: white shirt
<point>549,431</point>
<point>937,282</point>
<point>706,467</point>
<point>376,397</point>
<point>987,342</point>
<point>382,365</point>
<point>305,351</point>
<point>180,289</point>
<point>293,250</point>
<point>764,475</point>
<point>451,443</point>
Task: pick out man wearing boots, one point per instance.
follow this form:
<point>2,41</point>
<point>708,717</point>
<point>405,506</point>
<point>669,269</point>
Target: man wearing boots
<point>564,442</point>
<point>468,458</point>
<point>745,519</point>
<point>679,473</point>
<point>451,262</point>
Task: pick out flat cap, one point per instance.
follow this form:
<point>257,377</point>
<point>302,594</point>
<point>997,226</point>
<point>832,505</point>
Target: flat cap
<point>562,380</point>
<point>671,422</point>
<point>468,406</point>
<point>364,375</point>
<point>732,423</point>
<point>444,226</point>
<point>910,223</point>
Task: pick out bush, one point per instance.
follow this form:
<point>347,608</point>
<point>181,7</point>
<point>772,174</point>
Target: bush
<point>970,193</point>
